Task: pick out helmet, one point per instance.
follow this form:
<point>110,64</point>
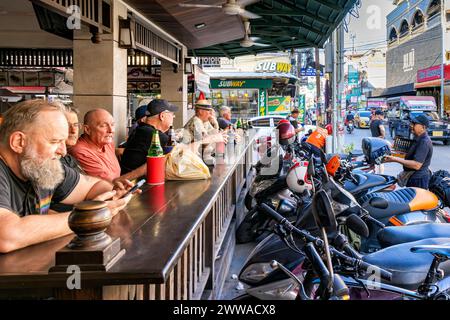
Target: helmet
<point>329,128</point>
<point>375,149</point>
<point>283,121</point>
<point>297,177</point>
<point>333,165</point>
<point>286,133</point>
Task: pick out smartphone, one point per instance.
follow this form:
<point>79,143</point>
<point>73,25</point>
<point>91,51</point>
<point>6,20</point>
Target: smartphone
<point>134,188</point>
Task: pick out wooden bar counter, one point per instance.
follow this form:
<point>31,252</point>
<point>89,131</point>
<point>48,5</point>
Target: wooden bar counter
<point>178,237</point>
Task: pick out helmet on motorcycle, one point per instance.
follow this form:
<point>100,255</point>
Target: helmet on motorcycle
<point>297,177</point>
<point>286,133</point>
<point>283,121</point>
<point>333,165</point>
<point>329,128</point>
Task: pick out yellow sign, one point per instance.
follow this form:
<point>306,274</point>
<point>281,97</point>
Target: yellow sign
<point>271,66</point>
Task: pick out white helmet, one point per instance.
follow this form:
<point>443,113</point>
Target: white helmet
<point>297,177</point>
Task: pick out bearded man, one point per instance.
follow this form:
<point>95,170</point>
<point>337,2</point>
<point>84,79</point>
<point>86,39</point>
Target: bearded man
<point>32,141</point>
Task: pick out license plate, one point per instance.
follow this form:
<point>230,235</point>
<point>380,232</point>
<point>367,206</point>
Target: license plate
<point>438,133</point>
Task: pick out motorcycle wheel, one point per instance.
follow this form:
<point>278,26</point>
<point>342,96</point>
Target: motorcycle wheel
<point>249,229</point>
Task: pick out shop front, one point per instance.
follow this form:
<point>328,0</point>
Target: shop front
<point>252,95</point>
<point>429,83</point>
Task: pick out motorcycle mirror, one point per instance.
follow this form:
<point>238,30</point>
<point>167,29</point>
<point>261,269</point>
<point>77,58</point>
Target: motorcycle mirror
<point>323,212</point>
<point>357,225</point>
<point>311,168</point>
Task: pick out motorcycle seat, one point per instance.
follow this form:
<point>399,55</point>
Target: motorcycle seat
<point>383,205</point>
<point>391,236</point>
<point>408,269</point>
<point>435,250</point>
<point>365,182</point>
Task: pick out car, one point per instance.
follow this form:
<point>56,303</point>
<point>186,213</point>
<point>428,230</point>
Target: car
<point>362,119</point>
<point>402,109</point>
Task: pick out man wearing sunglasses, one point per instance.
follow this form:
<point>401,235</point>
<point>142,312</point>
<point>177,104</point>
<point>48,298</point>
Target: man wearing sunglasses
<point>416,172</point>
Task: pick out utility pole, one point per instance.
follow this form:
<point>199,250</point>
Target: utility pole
<point>338,78</point>
<point>319,111</point>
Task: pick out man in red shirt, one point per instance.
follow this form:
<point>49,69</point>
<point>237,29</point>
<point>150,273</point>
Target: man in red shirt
<point>95,151</point>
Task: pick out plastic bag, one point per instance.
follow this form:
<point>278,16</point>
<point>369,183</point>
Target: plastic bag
<point>184,164</point>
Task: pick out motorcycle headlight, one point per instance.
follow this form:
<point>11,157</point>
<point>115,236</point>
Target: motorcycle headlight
<point>256,272</point>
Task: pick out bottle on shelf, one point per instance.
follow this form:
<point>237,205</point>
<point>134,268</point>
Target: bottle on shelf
<point>155,149</point>
<point>239,124</point>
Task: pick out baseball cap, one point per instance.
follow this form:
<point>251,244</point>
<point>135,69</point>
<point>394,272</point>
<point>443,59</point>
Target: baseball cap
<point>421,119</point>
<point>157,106</point>
<point>140,112</point>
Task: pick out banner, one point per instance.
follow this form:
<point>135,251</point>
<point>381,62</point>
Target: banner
<point>279,105</point>
<point>262,105</point>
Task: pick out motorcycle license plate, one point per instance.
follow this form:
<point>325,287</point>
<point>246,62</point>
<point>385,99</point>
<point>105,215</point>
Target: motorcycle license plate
<point>438,133</point>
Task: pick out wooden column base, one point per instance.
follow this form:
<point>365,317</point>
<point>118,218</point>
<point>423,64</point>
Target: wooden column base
<point>89,260</point>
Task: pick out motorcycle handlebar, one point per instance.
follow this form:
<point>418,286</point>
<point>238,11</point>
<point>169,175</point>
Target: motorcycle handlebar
<point>352,261</point>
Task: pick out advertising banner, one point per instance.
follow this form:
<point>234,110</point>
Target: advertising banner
<point>279,105</point>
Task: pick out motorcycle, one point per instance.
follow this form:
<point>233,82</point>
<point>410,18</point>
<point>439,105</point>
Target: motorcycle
<point>350,127</point>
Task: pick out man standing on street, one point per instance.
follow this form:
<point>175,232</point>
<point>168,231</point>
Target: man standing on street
<point>417,161</point>
<point>293,119</point>
<point>377,126</point>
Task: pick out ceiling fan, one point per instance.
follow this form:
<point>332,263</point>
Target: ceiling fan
<point>250,41</point>
<point>230,7</point>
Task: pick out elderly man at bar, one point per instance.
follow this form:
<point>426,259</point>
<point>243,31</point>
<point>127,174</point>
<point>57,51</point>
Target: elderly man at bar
<point>159,116</point>
<point>32,141</point>
<point>224,119</point>
<point>95,150</point>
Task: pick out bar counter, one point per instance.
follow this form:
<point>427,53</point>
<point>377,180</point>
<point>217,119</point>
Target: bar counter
<point>178,240</point>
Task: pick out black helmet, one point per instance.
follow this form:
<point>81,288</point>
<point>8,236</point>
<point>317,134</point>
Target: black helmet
<point>286,133</point>
<point>375,149</point>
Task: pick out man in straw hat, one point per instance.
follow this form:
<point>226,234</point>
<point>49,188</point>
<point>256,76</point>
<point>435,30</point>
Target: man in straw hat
<point>197,128</point>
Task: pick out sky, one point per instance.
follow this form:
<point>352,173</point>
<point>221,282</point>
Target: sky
<point>369,30</point>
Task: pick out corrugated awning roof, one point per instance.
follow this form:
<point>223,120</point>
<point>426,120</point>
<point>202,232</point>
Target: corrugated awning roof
<point>285,24</point>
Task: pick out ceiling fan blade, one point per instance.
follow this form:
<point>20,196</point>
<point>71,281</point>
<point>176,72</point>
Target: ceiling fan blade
<point>248,15</point>
<point>244,3</point>
<point>255,38</point>
<point>261,44</point>
<point>192,5</point>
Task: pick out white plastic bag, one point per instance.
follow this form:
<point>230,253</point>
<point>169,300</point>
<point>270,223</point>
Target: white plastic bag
<point>184,164</point>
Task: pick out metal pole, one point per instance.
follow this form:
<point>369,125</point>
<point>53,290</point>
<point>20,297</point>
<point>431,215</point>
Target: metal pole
<point>444,31</point>
<point>335,87</point>
<point>318,110</point>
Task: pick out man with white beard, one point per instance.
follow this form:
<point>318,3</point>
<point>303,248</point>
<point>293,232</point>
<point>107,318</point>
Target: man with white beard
<point>32,141</point>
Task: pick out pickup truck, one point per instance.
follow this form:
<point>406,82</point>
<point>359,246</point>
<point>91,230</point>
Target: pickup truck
<point>402,109</point>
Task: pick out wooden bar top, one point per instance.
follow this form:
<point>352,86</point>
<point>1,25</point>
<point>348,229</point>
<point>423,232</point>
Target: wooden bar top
<point>154,229</point>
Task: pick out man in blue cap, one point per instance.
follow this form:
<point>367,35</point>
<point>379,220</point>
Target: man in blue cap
<point>416,172</point>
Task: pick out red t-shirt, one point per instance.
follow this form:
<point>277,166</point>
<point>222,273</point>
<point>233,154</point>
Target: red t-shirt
<point>101,163</point>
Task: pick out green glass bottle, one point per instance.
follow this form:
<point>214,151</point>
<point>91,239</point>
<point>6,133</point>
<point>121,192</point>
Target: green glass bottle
<point>239,124</point>
<point>155,149</point>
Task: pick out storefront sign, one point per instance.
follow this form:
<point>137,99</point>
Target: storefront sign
<point>271,66</point>
<point>429,74</point>
<point>241,84</point>
<point>309,72</point>
<point>262,105</point>
<point>279,105</point>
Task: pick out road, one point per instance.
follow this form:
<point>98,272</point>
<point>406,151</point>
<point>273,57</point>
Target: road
<point>440,160</point>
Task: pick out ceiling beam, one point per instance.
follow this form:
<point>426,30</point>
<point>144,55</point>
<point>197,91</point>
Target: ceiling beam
<point>329,4</point>
<point>293,11</point>
<point>296,24</point>
<point>221,49</point>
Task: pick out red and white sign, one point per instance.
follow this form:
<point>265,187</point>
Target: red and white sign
<point>429,74</point>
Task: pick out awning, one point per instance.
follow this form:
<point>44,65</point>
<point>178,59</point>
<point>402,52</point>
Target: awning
<point>428,84</point>
<point>26,90</point>
<point>405,90</point>
<point>6,95</point>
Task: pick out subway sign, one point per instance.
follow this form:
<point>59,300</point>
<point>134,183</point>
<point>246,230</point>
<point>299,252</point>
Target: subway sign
<point>241,84</point>
<point>271,66</point>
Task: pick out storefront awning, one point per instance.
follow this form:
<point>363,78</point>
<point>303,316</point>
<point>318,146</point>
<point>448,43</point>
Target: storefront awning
<point>27,90</point>
<point>428,84</point>
<point>403,90</point>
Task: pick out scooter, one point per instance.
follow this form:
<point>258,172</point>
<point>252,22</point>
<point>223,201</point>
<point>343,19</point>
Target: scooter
<point>350,127</point>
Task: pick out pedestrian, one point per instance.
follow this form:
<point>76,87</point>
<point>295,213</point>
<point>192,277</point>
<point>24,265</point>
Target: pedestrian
<point>378,131</point>
<point>416,172</point>
<point>293,119</point>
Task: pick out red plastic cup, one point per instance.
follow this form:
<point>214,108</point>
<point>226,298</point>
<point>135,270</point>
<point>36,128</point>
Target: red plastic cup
<point>156,170</point>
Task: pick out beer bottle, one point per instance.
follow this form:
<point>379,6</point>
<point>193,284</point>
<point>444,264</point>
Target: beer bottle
<point>155,149</point>
<point>239,124</point>
<point>171,142</point>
